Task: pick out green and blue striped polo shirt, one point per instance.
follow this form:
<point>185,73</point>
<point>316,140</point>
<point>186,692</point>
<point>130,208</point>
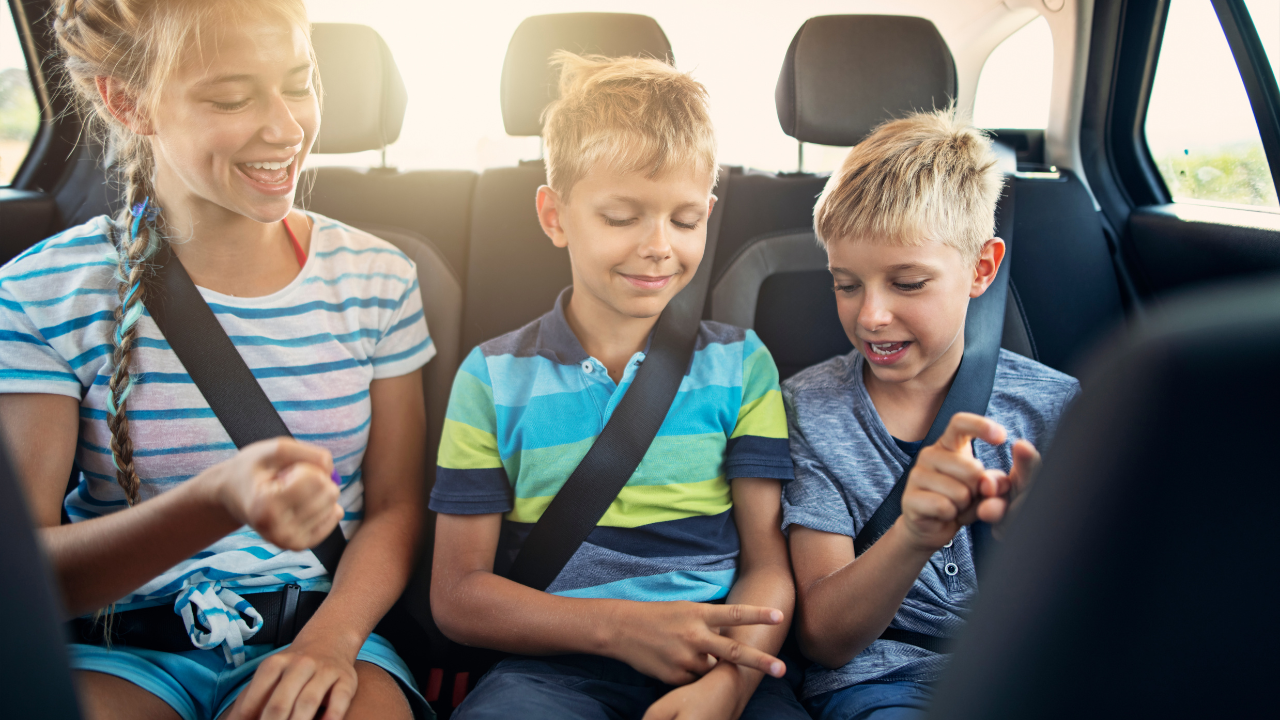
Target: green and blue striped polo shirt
<point>527,406</point>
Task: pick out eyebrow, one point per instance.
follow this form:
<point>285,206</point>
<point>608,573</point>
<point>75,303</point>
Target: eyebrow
<point>222,79</point>
<point>904,267</point>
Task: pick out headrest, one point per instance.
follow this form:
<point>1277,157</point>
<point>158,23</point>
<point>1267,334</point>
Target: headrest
<point>845,74</point>
<point>364,96</point>
<point>528,82</point>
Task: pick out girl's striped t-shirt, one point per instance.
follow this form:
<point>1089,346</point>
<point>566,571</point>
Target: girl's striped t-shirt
<point>352,315</point>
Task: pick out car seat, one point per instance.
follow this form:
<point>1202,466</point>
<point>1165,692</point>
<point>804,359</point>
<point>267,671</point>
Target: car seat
<point>35,678</point>
<point>1136,580</point>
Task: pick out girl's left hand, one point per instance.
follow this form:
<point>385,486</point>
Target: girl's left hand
<point>294,683</point>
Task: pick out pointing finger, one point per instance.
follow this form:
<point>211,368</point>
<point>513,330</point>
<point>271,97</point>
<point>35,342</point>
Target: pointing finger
<point>965,427</point>
<point>731,615</point>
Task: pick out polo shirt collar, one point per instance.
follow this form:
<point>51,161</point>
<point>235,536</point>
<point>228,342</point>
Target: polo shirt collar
<point>556,340</point>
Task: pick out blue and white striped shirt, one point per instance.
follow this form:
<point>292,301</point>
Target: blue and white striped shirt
<point>352,315</point>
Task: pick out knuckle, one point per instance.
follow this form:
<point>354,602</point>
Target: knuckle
<point>734,652</point>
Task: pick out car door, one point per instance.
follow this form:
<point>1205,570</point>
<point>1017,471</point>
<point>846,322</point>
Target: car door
<point>1181,137</point>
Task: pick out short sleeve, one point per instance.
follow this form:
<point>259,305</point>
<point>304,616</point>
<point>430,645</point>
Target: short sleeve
<point>28,363</point>
<point>813,498</point>
<point>470,477</point>
<point>404,345</point>
<point>758,445</point>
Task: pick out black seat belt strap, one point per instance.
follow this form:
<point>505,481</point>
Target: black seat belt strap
<point>219,372</point>
<point>630,430</point>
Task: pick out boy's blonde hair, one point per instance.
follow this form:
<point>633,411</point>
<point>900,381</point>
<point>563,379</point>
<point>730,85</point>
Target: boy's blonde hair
<point>930,176</point>
<point>636,114</point>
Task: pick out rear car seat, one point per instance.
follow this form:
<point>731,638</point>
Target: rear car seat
<point>423,213</point>
<point>513,271</point>
<point>843,75</point>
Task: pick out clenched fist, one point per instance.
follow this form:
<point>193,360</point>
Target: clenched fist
<point>282,489</point>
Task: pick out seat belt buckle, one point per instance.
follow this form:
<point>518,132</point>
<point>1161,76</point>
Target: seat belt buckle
<point>285,630</point>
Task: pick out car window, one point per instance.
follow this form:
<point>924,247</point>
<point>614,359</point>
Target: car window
<point>1014,86</point>
<point>1200,127</point>
<point>19,112</point>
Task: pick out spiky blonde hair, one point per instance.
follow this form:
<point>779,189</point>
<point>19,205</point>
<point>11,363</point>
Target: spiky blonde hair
<point>928,177</point>
<point>635,114</point>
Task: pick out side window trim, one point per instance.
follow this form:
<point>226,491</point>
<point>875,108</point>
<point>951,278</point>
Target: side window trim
<point>1255,71</point>
<point>40,143</point>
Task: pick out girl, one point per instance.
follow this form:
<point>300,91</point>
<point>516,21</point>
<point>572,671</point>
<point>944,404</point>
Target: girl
<point>211,108</point>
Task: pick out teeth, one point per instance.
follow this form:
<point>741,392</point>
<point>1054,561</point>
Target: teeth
<point>883,348</point>
<point>270,165</point>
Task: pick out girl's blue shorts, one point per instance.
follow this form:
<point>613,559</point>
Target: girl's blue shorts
<point>200,685</point>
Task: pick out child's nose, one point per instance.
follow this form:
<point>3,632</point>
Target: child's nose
<point>282,128</point>
<point>657,242</point>
<point>874,313</point>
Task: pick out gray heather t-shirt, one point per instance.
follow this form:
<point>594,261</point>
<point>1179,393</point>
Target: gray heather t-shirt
<point>846,462</point>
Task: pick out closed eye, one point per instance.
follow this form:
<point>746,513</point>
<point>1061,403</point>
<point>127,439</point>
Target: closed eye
<point>910,287</point>
<point>847,288</point>
<point>615,222</point>
<point>685,226</point>
<point>228,107</point>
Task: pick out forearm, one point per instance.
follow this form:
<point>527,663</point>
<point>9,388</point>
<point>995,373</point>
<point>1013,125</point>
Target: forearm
<point>770,587</point>
<point>843,613</point>
<point>99,561</point>
<point>374,570</point>
<point>485,610</point>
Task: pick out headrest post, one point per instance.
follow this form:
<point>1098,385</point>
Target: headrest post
<point>800,158</point>
<point>384,156</point>
<point>542,148</point>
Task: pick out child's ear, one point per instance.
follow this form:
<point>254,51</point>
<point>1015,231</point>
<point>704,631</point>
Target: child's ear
<point>122,104</point>
<point>711,204</point>
<point>984,272</point>
<point>549,205</point>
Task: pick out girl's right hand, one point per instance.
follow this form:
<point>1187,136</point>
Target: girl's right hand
<point>282,489</point>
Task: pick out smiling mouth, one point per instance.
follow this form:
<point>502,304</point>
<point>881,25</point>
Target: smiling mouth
<point>648,282</point>
<point>268,172</point>
<point>885,353</point>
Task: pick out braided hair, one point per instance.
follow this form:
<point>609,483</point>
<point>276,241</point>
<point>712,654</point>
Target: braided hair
<point>138,43</point>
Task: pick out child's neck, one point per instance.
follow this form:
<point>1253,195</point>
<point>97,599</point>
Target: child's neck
<point>908,408</point>
<point>607,335</point>
<point>229,253</point>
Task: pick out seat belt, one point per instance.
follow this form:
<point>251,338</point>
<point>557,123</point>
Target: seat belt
<point>970,392</point>
<point>630,430</point>
<point>219,372</point>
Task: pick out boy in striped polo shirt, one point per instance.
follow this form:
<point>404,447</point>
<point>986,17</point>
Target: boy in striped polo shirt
<point>633,624</point>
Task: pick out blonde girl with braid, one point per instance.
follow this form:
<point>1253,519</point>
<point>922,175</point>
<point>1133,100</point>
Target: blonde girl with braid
<point>180,548</point>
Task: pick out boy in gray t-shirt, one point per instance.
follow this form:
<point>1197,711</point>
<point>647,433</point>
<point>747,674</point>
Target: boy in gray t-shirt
<point>907,222</point>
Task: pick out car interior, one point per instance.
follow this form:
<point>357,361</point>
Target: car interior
<point>1133,558</point>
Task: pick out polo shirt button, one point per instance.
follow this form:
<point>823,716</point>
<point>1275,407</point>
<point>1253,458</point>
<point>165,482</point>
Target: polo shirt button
<point>949,542</point>
<point>587,367</point>
<point>951,569</point>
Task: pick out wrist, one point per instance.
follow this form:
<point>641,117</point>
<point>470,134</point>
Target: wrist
<point>611,629</point>
<point>340,639</point>
<point>733,683</point>
<point>910,542</point>
<point>210,490</point>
